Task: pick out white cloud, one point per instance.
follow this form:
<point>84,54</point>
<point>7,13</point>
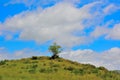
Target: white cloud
<point>57,23</point>
<point>99,31</point>
<point>31,3</point>
<point>109,59</point>
<point>62,23</point>
<point>4,54</point>
<point>40,3</point>
<point>114,32</point>
<point>109,33</point>
<point>110,8</point>
<point>2,48</point>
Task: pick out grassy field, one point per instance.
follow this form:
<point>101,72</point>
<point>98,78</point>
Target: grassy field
<point>44,68</point>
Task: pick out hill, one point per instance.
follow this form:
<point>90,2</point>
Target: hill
<point>44,68</point>
<point>118,71</point>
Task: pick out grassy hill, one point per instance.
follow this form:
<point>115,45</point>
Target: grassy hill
<point>43,68</point>
<point>117,71</point>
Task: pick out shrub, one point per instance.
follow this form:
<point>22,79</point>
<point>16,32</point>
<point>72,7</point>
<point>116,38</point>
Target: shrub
<point>70,68</point>
<point>0,77</point>
<point>13,64</point>
<point>55,65</point>
<point>44,64</point>
<point>34,66</point>
<point>42,70</point>
<point>95,71</point>
<point>60,60</point>
<point>2,62</point>
<point>26,62</point>
<point>55,69</point>
<point>32,71</point>
<point>48,70</point>
<point>6,60</point>
<point>102,68</point>
<point>34,57</point>
<point>78,71</point>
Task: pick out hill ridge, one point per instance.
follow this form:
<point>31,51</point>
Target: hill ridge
<point>44,68</point>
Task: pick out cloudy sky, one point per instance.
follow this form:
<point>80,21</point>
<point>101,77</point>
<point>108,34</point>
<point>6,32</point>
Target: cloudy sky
<point>88,30</point>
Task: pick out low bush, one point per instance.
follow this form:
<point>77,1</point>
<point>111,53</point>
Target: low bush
<point>32,71</point>
<point>43,70</point>
<point>78,71</point>
<point>48,70</point>
<point>102,68</point>
<point>55,65</point>
<point>70,68</point>
<point>34,58</point>
<point>34,66</point>
<point>26,62</point>
<point>2,62</point>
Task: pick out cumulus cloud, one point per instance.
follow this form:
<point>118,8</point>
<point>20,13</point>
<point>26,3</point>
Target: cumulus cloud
<point>57,23</point>
<point>99,31</point>
<point>4,54</point>
<point>109,59</point>
<point>110,8</point>
<point>31,3</point>
<point>40,3</point>
<point>63,23</point>
<point>114,32</point>
<point>109,33</point>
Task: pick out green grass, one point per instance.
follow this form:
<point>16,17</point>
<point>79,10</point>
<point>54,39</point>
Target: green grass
<point>44,68</point>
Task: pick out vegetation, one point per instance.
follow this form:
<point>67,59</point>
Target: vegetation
<point>118,71</point>
<point>55,49</point>
<point>44,68</point>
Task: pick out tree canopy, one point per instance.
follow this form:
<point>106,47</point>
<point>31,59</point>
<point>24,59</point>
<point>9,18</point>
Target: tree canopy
<point>55,49</point>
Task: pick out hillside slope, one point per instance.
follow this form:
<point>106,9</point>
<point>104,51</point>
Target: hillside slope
<point>43,68</point>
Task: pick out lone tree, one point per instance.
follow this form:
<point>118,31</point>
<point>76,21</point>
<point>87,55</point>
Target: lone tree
<point>55,49</point>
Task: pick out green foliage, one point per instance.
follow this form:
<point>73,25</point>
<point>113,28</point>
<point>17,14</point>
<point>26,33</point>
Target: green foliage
<point>32,71</point>
<point>55,49</point>
<point>34,58</point>
<point>70,68</point>
<point>44,68</point>
<point>79,71</point>
<point>48,70</point>
<point>3,62</point>
<point>102,68</point>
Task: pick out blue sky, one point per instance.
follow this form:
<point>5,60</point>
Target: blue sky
<point>88,26</point>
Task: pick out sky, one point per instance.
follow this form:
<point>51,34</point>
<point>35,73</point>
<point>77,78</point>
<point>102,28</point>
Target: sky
<point>87,30</point>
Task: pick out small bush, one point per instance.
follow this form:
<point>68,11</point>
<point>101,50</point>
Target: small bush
<point>32,71</point>
<point>54,57</point>
<point>34,57</point>
<point>55,65</point>
<point>55,69</point>
<point>34,66</point>
<point>70,68</point>
<point>20,72</point>
<point>26,62</point>
<point>95,71</point>
<point>43,70</point>
<point>6,60</point>
<point>59,60</point>
<point>102,68</point>
<point>1,77</point>
<point>78,71</point>
<point>13,64</point>
<point>2,62</point>
<point>44,64</point>
<point>48,70</point>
